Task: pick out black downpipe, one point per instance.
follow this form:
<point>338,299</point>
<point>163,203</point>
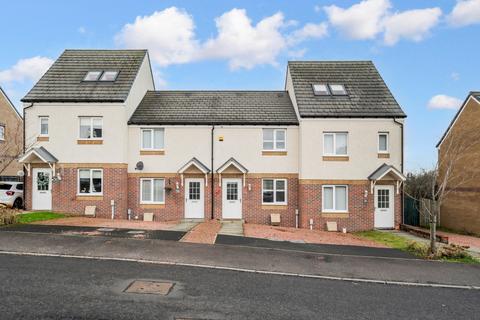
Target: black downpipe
<point>212,184</point>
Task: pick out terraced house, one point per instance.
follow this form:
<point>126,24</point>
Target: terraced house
<point>327,148</point>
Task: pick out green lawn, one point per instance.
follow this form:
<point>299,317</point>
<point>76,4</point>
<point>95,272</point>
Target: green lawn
<point>401,243</point>
<point>38,216</point>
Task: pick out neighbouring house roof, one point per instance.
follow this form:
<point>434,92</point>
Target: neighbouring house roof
<point>194,162</point>
<point>232,162</point>
<point>63,82</point>
<point>385,169</point>
<point>472,94</point>
<point>367,93</point>
<point>9,102</point>
<point>215,107</point>
<point>41,153</point>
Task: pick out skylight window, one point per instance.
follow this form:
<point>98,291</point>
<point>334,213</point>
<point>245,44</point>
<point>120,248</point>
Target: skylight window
<point>338,89</point>
<point>92,76</point>
<point>109,76</point>
<point>321,90</point>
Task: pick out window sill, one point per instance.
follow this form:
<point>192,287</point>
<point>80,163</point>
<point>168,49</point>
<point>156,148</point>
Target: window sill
<point>90,197</point>
<point>273,153</point>
<point>383,155</point>
<point>335,215</point>
<point>274,206</point>
<point>152,205</point>
<point>89,141</point>
<point>152,152</point>
<point>43,138</point>
<point>336,158</point>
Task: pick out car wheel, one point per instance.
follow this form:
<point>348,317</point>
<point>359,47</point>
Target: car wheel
<point>17,203</point>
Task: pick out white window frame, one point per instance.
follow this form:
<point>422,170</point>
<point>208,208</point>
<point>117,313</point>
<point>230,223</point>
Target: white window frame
<point>387,134</point>
<point>91,182</point>
<point>100,73</point>
<point>334,133</point>
<point>318,93</point>
<point>151,139</point>
<point>3,130</point>
<point>344,93</point>
<point>101,79</point>
<point>334,186</point>
<point>91,127</point>
<point>151,195</point>
<point>275,202</point>
<point>40,118</point>
<point>274,141</point>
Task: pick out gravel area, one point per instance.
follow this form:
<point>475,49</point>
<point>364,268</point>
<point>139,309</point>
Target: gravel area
<point>305,235</point>
<point>205,232</point>
<point>108,223</point>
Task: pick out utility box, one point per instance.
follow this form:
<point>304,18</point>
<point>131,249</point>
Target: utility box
<point>148,216</point>
<point>332,226</point>
<point>90,211</point>
<point>275,219</point>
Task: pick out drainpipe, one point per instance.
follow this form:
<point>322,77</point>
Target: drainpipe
<point>212,184</point>
<point>25,173</point>
<point>401,167</point>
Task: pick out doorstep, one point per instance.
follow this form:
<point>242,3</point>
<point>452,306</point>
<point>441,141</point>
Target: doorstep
<point>231,228</point>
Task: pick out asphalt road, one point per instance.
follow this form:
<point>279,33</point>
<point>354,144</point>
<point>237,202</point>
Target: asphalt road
<point>68,288</point>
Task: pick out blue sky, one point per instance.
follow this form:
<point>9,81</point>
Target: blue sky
<point>426,51</point>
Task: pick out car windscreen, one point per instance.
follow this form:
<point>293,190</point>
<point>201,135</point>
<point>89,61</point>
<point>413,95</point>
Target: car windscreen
<point>4,186</point>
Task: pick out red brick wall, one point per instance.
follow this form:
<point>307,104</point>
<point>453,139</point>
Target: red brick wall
<point>360,208</point>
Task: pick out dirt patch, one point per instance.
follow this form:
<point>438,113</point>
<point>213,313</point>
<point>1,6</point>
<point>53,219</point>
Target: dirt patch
<point>108,223</point>
<point>306,236</point>
<point>205,232</point>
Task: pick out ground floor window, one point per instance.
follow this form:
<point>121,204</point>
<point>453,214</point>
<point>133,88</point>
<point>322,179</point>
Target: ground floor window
<point>152,190</point>
<point>335,198</point>
<point>274,191</point>
<point>90,181</point>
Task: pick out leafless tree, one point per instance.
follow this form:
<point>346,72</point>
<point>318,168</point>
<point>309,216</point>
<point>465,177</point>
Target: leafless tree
<point>12,148</point>
<point>456,167</point>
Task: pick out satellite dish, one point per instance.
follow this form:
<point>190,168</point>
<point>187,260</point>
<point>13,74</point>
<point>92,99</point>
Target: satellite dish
<point>20,173</point>
<point>139,165</point>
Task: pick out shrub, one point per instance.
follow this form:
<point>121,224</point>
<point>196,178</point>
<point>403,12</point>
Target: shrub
<point>8,216</point>
<point>453,251</point>
<point>418,248</point>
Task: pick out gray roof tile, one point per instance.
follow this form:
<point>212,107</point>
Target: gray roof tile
<point>215,107</point>
<point>368,95</point>
<point>63,82</point>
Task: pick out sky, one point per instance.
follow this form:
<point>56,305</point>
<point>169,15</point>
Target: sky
<point>426,51</point>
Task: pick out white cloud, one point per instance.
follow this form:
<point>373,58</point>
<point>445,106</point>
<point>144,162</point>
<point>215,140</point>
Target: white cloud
<point>243,44</point>
<point>308,31</point>
<point>360,21</point>
<point>30,69</point>
<point>442,101</point>
<point>465,12</point>
<point>169,35</point>
<point>413,25</point>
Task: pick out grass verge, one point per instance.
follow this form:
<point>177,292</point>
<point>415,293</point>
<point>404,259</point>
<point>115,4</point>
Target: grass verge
<point>451,253</point>
<point>38,216</point>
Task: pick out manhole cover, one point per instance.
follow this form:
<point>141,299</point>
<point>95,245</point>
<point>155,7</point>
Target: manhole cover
<point>150,287</point>
<point>105,229</point>
<point>136,232</point>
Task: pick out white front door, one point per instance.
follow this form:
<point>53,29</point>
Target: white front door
<point>232,198</point>
<point>194,199</point>
<point>384,207</point>
<point>42,189</point>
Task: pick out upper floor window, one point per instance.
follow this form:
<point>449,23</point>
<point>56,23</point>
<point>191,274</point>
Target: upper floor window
<point>90,181</point>
<point>383,142</point>
<point>2,132</point>
<point>274,191</point>
<point>337,89</point>
<point>92,76</point>
<point>321,89</point>
<point>43,126</point>
<point>274,139</point>
<point>153,139</point>
<point>324,89</point>
<point>91,128</point>
<point>109,76</point>
<point>335,198</point>
<point>335,143</point>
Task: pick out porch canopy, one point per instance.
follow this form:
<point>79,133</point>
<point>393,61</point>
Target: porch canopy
<point>386,173</point>
<point>194,166</point>
<point>231,166</point>
<point>38,155</point>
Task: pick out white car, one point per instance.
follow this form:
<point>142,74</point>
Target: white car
<point>11,194</point>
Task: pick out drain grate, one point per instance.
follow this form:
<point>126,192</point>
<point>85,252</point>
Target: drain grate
<point>162,288</point>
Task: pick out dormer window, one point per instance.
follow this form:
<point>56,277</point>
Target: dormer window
<point>321,90</point>
<point>92,76</point>
<point>338,89</point>
<point>109,76</point>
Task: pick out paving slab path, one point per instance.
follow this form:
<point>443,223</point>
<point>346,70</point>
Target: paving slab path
<point>231,228</point>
